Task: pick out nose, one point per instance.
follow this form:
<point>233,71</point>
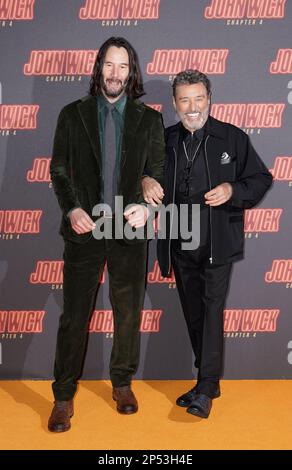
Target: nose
<point>193,107</point>
<point>114,71</point>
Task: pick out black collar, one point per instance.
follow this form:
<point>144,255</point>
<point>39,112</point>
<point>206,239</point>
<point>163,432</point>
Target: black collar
<point>213,127</point>
<point>185,134</point>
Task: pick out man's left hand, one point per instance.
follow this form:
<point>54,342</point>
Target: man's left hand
<point>137,215</point>
<point>219,195</point>
<point>152,191</point>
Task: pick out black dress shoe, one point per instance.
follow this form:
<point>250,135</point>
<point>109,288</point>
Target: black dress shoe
<point>186,399</point>
<point>213,393</point>
<point>217,392</point>
<point>201,406</point>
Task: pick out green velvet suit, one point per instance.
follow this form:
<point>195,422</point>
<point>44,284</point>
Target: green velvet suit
<point>77,176</point>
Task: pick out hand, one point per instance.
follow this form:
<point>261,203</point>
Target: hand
<point>152,191</point>
<point>80,221</point>
<point>219,195</point>
<point>137,215</point>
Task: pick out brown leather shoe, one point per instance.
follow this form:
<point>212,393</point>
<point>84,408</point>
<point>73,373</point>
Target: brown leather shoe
<point>126,400</point>
<point>59,420</point>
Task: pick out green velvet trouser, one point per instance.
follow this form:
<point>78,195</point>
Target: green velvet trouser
<point>83,267</point>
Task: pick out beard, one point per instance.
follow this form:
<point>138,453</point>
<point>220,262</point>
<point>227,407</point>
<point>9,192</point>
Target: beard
<point>195,124</point>
<point>113,87</point>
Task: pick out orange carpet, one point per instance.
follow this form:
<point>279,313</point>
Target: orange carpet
<point>249,415</point>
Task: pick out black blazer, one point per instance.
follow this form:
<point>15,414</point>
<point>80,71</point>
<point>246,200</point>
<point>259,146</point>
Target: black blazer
<point>76,166</point>
<point>230,157</point>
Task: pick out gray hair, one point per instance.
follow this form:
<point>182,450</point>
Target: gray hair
<point>189,77</point>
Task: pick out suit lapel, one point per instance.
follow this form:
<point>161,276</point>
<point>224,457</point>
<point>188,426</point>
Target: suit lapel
<point>87,109</point>
<point>133,115</point>
<point>88,113</point>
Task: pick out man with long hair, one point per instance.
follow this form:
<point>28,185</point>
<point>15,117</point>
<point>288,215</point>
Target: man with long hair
<point>102,144</point>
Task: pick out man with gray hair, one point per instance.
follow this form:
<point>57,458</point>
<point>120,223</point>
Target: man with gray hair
<point>213,164</point>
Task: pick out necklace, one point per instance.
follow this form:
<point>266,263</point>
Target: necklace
<point>190,160</point>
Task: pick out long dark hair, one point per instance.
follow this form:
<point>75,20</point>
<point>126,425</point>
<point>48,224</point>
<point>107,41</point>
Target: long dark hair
<point>134,88</point>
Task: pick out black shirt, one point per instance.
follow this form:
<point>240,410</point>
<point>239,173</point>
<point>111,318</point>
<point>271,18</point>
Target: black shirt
<point>192,176</point>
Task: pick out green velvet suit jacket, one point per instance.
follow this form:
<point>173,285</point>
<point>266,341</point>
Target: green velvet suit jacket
<point>76,165</point>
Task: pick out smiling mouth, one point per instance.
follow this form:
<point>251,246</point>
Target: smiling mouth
<point>193,115</point>
<point>110,81</point>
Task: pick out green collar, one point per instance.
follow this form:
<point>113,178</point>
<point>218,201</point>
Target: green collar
<point>118,105</point>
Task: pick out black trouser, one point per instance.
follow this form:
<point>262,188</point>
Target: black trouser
<point>202,289</point>
<point>83,266</point>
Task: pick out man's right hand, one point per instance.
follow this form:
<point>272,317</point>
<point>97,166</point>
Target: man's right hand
<point>152,191</point>
<point>80,221</point>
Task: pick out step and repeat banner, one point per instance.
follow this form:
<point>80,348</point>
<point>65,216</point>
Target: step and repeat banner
<point>47,51</point>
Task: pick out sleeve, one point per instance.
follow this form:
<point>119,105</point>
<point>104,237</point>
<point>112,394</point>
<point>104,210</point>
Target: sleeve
<point>156,153</point>
<point>253,179</point>
<point>60,167</point>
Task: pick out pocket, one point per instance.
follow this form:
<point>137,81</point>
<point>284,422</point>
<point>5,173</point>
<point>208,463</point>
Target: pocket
<point>236,218</point>
<point>236,232</point>
<point>236,214</point>
<point>228,172</point>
